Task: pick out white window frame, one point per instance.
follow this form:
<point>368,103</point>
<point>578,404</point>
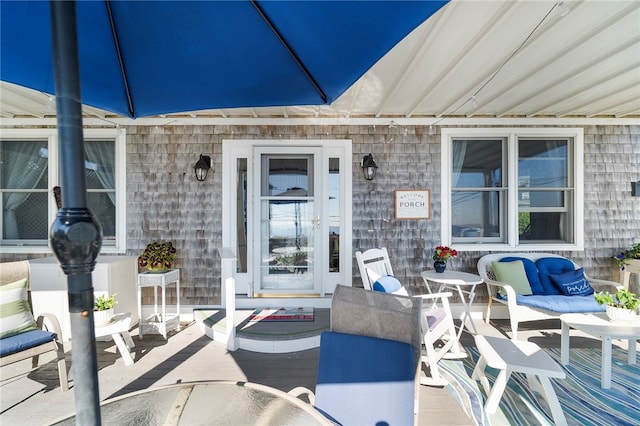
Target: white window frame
<point>511,135</point>
<point>51,134</point>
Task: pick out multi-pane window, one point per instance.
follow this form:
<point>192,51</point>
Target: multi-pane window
<point>512,188</point>
<point>30,172</point>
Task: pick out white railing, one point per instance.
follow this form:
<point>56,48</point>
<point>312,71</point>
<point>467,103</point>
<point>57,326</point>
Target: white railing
<point>227,267</point>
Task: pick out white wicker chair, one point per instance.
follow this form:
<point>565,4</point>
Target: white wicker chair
<point>32,343</point>
<point>521,313</point>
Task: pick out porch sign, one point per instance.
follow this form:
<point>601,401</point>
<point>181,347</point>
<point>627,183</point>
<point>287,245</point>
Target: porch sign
<point>413,204</point>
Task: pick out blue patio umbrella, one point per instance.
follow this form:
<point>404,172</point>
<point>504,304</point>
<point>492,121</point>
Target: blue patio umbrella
<point>141,58</point>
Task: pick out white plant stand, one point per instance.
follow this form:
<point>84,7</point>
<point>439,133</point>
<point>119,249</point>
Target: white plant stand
<point>160,321</point>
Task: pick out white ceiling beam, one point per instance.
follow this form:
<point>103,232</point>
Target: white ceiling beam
<point>567,75</point>
<point>422,45</point>
<point>634,99</point>
<point>490,27</point>
<point>578,92</point>
<point>580,42</point>
<point>609,94</point>
<point>336,121</point>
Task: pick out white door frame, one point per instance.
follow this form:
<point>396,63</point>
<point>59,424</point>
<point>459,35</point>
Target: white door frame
<point>235,149</point>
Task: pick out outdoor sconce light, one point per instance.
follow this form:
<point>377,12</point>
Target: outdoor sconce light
<point>369,167</point>
<point>202,167</point>
<point>635,189</point>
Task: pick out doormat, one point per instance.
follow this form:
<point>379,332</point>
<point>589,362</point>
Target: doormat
<point>282,314</point>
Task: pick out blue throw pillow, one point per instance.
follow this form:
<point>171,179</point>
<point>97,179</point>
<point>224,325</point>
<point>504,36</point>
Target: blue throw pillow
<point>572,283</point>
<point>387,284</point>
<point>531,270</point>
<point>552,265</point>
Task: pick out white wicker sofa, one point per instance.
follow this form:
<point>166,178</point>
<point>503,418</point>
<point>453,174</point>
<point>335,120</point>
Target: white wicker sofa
<point>543,303</point>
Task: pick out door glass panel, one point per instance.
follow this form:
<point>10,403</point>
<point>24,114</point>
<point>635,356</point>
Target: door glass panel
<point>287,223</point>
<point>334,214</point>
<point>241,211</point>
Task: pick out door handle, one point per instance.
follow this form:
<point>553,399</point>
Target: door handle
<point>318,221</point>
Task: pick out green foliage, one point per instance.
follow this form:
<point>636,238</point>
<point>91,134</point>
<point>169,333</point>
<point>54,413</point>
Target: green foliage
<point>632,253</point>
<point>105,302</point>
<point>621,299</point>
<point>158,255</point>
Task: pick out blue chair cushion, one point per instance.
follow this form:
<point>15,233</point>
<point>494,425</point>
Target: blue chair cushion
<point>26,340</point>
<point>387,284</point>
<point>365,380</point>
<point>552,265</point>
<point>572,283</point>
<point>561,304</point>
<point>531,270</point>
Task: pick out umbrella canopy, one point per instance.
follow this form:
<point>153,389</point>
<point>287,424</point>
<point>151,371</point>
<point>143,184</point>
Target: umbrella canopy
<point>141,58</point>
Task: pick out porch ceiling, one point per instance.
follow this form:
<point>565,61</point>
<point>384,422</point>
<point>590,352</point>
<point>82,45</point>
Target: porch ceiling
<point>474,58</point>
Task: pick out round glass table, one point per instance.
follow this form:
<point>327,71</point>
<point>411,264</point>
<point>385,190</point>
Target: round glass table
<point>207,403</point>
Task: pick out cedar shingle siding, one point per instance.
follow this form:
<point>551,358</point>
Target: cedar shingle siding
<point>164,201</point>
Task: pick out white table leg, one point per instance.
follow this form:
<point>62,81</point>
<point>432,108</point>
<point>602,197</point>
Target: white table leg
<point>140,319</point>
<point>564,344</point>
<point>122,348</point>
<point>472,295</point>
<point>164,312</point>
<point>606,363</point>
<point>631,356</point>
<point>178,303</point>
<point>496,391</point>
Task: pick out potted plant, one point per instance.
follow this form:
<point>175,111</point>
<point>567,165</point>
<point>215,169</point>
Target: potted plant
<point>624,257</point>
<point>441,255</point>
<point>103,308</point>
<point>621,306</point>
<point>158,257</point>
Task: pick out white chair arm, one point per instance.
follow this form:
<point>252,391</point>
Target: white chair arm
<point>603,285</point>
<point>53,325</point>
<point>434,295</point>
<point>302,391</point>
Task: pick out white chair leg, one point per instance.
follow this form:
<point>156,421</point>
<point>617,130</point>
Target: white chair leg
<point>488,311</point>
<point>436,379</point>
<point>514,328</point>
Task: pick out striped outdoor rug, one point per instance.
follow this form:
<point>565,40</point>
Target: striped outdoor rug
<point>581,398</point>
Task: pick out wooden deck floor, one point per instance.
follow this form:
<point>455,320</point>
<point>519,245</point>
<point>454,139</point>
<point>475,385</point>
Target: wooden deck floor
<point>33,397</point>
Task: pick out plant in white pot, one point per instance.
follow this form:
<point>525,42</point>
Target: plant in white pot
<point>103,308</point>
<point>621,306</point>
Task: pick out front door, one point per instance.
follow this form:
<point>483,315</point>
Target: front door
<point>287,216</point>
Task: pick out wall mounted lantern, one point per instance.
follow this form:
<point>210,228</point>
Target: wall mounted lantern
<point>369,167</point>
<point>635,189</point>
<point>202,167</point>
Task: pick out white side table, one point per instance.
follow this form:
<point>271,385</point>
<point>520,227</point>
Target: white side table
<point>462,282</point>
<point>598,325</point>
<point>159,321</point>
<point>118,329</point>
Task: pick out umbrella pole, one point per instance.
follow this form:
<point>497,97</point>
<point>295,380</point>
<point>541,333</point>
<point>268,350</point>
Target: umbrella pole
<point>76,237</point>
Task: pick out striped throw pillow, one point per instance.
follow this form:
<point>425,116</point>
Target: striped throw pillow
<point>15,314</point>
